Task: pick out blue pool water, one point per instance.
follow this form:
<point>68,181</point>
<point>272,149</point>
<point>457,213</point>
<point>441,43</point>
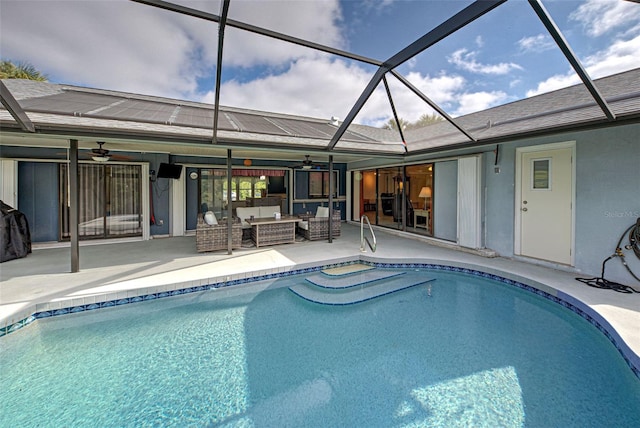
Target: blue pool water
<point>459,351</point>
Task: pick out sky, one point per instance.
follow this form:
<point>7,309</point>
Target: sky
<point>504,56</point>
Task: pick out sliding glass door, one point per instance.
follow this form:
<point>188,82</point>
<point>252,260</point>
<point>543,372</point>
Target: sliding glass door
<point>396,197</point>
<point>110,201</point>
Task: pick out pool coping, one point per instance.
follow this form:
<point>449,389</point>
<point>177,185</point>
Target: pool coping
<point>64,306</point>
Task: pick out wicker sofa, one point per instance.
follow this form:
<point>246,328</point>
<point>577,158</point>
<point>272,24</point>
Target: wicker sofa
<point>315,228</point>
<point>214,237</point>
<point>244,213</point>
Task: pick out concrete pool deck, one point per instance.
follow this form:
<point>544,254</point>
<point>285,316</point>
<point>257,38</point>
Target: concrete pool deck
<point>42,281</point>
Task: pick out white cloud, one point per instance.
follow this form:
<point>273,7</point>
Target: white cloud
<point>539,43</point>
<point>442,89</point>
<point>621,56</point>
<point>309,87</point>
<point>467,61</point>
<point>313,21</point>
<point>477,101</point>
<point>132,47</point>
<point>600,16</point>
<point>114,45</point>
<point>555,82</point>
<point>377,5</point>
<point>479,41</point>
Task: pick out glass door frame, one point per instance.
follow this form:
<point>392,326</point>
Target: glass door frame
<point>397,190</point>
<point>104,201</point>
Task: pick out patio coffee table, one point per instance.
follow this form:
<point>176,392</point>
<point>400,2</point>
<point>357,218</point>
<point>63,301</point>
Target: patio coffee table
<point>271,231</point>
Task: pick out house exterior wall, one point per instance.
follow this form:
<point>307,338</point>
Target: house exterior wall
<point>607,196</point>
<point>608,202</point>
<point>298,207</point>
<point>607,187</point>
<point>38,190</point>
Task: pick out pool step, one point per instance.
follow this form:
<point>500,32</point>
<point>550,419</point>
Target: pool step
<point>347,269</point>
<point>353,280</point>
<point>348,293</point>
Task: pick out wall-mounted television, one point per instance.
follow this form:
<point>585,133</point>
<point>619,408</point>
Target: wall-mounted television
<point>276,185</point>
<point>169,170</point>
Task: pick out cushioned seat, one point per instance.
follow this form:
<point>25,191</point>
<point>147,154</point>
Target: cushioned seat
<point>317,227</point>
<point>245,213</point>
<point>213,237</point>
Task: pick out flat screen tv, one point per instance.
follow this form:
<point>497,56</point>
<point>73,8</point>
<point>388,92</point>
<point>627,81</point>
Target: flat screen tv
<point>169,170</point>
<point>276,185</point>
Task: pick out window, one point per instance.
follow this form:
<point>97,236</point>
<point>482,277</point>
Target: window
<point>246,184</point>
<point>541,174</point>
<point>319,184</point>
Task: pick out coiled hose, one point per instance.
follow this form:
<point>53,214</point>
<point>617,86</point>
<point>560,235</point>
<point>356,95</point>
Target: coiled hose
<point>634,245</point>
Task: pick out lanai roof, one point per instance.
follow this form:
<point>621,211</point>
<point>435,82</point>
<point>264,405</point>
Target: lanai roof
<point>56,108</point>
<point>65,110</point>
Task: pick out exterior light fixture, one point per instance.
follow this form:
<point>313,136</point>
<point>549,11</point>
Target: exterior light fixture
<point>100,158</point>
<point>100,154</point>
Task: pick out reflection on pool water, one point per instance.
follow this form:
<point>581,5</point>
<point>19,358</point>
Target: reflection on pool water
<point>458,351</point>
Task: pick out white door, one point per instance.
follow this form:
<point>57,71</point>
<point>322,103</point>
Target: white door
<point>545,204</point>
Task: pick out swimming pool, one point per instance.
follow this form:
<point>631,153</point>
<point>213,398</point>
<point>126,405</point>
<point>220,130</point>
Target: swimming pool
<point>459,351</point>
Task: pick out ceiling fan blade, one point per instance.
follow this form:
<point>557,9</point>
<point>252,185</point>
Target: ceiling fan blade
<point>307,163</point>
<point>120,157</point>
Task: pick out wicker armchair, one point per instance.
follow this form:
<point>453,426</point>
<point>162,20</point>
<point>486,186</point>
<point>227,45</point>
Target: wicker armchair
<point>214,237</point>
<point>318,227</point>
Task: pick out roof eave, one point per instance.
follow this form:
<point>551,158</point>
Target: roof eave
<point>570,127</point>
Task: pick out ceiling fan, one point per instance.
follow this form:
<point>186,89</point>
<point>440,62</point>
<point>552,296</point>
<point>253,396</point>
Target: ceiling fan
<point>307,163</point>
<point>100,154</point>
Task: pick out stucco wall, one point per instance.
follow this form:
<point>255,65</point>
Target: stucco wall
<point>607,197</point>
<point>38,188</point>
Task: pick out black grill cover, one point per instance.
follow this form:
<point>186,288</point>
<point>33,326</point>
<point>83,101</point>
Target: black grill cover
<point>15,238</point>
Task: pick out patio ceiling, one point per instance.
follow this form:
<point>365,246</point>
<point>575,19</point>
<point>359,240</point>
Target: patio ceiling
<point>66,110</point>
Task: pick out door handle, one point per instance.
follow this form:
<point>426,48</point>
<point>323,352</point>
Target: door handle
<point>525,209</point>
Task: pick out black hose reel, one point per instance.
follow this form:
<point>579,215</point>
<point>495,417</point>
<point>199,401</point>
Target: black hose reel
<point>633,232</point>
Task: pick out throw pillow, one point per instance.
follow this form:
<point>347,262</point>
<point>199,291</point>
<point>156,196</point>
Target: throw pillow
<point>210,218</point>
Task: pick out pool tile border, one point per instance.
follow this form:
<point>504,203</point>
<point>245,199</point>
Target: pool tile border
<point>122,298</point>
